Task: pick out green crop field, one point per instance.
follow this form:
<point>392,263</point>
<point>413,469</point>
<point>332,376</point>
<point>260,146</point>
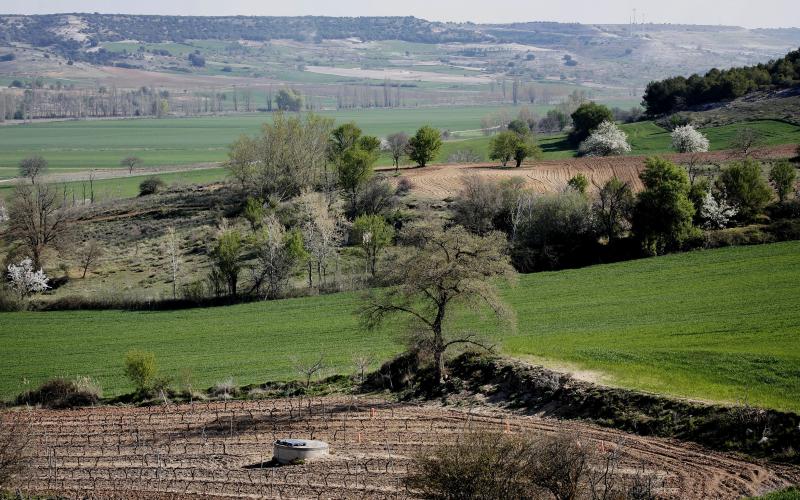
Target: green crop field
<point>83,145</point>
<point>648,138</point>
<point>717,324</point>
<point>128,187</point>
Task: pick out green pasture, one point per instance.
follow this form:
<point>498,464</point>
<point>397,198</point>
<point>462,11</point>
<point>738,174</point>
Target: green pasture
<point>713,325</point>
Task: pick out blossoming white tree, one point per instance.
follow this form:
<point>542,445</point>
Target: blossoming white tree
<point>687,139</point>
<point>606,140</point>
<point>25,281</point>
<point>3,213</point>
<point>716,214</point>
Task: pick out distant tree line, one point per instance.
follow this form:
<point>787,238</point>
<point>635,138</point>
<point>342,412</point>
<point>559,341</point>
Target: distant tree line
<point>41,31</point>
<point>677,93</point>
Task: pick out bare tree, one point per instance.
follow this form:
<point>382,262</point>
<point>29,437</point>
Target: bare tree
<point>362,363</point>
<point>308,368</point>
<point>396,145</point>
<point>172,246</point>
<point>90,253</point>
<point>32,167</point>
<point>323,231</point>
<point>37,219</point>
<point>745,141</point>
<point>288,157</point>
<point>277,253</point>
<point>446,267</point>
<point>130,163</point>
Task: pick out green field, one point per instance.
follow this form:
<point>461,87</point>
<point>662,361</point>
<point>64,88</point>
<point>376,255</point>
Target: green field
<point>128,187</point>
<point>82,145</point>
<point>719,324</point>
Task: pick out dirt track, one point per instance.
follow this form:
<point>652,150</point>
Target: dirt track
<point>442,181</point>
<point>217,450</point>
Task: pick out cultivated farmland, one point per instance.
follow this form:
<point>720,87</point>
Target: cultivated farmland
<point>223,449</point>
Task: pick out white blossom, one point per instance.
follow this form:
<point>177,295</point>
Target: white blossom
<point>716,214</point>
<point>606,140</point>
<point>24,280</point>
<point>3,213</point>
<point>687,139</point>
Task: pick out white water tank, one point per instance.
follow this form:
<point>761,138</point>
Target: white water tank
<point>288,450</point>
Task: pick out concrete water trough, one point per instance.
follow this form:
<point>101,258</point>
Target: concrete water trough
<point>287,451</point>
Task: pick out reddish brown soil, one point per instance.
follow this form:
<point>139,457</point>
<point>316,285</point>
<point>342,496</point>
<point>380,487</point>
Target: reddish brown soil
<point>442,181</point>
<point>217,450</point>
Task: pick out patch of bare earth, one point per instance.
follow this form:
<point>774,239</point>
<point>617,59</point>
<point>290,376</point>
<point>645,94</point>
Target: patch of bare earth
<point>223,449</point>
<point>443,181</point>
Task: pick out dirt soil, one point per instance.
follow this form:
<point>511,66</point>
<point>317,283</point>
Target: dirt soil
<point>444,181</point>
<point>222,450</point>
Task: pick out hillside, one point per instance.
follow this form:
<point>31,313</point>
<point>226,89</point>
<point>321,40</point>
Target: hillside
<point>605,60</point>
<point>718,324</point>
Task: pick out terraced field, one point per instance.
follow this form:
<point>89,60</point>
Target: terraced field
<point>217,450</point>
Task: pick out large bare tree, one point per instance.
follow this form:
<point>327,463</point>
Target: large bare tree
<point>445,269</point>
<point>397,145</point>
<point>288,157</point>
<point>37,218</point>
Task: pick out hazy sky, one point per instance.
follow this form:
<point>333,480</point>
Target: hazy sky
<point>750,13</point>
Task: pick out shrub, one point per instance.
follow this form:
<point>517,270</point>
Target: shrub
<point>494,465</point>
<point>151,185</point>
<point>141,369</point>
<point>62,393</point>
<point>466,155</point>
<point>9,300</point>
<point>481,465</point>
<point>579,183</point>
<point>478,205</point>
<point>551,231</point>
<point>745,188</point>
<point>25,281</point>
<point>789,209</point>
<point>225,389</point>
<point>783,176</point>
<point>662,216</point>
<point>716,214</point>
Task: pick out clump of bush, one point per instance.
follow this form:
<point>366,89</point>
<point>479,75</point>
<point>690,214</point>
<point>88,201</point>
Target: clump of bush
<point>141,369</point>
<point>63,393</point>
<point>225,389</point>
<point>494,465</point>
<point>10,301</point>
<point>151,185</point>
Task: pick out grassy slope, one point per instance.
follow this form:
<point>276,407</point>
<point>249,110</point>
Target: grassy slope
<point>718,324</point>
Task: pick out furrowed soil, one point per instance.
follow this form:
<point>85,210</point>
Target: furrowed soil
<point>443,181</point>
<point>222,449</point>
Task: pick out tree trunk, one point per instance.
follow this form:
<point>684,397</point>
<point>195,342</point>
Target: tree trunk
<point>438,344</point>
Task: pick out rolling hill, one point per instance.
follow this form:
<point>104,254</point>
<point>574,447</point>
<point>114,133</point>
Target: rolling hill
<point>714,325</point>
